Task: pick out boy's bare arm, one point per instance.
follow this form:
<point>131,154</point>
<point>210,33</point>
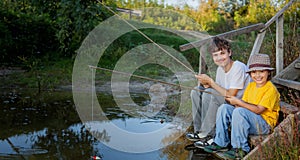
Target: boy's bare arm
<point>240,103</point>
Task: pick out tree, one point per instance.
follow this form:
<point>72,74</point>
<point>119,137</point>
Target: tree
<point>254,12</point>
<point>208,15</point>
<point>76,18</point>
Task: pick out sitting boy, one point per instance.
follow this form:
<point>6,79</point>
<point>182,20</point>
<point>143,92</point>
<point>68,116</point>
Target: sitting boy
<point>231,79</point>
<point>256,113</point>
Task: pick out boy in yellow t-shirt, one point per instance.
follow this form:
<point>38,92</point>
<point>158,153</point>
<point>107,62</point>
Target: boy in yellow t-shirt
<point>256,113</point>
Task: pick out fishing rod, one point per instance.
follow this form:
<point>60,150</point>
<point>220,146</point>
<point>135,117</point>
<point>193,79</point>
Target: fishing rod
<point>144,35</point>
<point>154,80</point>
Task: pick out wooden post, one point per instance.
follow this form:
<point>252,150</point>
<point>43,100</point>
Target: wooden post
<point>279,13</point>
<point>279,44</point>
<point>200,63</point>
<point>257,44</point>
<point>201,53</point>
<point>258,41</point>
<point>200,60</point>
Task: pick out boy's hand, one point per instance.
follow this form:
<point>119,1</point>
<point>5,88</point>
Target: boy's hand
<point>232,100</point>
<point>204,79</point>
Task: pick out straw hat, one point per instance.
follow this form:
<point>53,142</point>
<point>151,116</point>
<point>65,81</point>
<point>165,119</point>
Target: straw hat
<point>259,62</point>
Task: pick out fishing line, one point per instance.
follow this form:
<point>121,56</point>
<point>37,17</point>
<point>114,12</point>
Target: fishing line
<point>155,80</point>
<point>145,36</point>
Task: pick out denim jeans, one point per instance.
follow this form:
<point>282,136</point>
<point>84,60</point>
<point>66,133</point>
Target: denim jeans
<point>243,123</point>
<point>204,108</point>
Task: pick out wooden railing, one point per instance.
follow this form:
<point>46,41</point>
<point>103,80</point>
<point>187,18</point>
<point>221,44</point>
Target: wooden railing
<point>236,32</point>
<point>130,12</point>
<point>261,29</point>
<point>279,36</point>
<point>289,111</point>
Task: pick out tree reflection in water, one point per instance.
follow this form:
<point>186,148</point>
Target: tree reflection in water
<point>47,126</point>
<point>43,122</point>
<point>68,143</point>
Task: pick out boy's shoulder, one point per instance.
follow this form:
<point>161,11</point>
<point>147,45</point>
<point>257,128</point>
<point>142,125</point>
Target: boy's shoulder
<point>239,64</point>
<point>239,67</point>
<point>271,87</point>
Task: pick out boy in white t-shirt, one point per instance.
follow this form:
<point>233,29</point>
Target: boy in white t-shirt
<point>231,80</point>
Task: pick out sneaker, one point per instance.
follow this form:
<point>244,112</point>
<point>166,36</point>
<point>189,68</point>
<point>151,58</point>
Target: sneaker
<point>203,142</point>
<point>235,153</point>
<point>213,148</point>
<point>194,136</point>
<point>190,147</point>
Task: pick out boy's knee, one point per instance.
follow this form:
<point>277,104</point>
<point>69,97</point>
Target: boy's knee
<point>239,112</point>
<point>194,93</point>
<point>224,109</point>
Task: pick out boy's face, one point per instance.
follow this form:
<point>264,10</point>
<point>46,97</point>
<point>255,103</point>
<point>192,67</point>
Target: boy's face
<point>221,58</point>
<point>260,77</point>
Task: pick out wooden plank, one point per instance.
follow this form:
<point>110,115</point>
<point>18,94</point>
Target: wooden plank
<point>258,41</point>
<point>290,72</point>
<point>287,108</point>
<point>279,44</point>
<point>255,140</point>
<point>289,77</point>
<point>287,83</point>
<point>279,13</point>
<point>284,129</point>
<point>236,32</point>
<point>297,65</point>
<point>220,155</point>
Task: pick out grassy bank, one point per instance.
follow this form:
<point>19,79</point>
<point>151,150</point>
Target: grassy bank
<point>40,74</point>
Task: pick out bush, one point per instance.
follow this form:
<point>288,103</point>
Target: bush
<point>25,35</point>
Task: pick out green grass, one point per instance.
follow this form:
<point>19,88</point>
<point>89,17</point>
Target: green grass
<point>43,75</point>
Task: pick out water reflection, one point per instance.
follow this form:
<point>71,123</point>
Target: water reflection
<point>46,126</point>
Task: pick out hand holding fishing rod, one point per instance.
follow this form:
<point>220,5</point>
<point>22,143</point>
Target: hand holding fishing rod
<point>205,80</point>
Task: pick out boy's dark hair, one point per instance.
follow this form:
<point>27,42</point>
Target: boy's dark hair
<point>269,75</point>
<point>219,44</point>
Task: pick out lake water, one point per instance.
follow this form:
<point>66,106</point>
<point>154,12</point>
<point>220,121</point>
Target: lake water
<point>47,126</point>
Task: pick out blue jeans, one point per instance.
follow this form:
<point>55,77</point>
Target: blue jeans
<point>243,122</point>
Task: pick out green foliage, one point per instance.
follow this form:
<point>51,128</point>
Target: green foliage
<point>257,12</point>
<point>133,39</point>
<point>35,28</point>
<point>170,19</point>
<point>134,4</point>
<point>76,18</point>
<point>42,74</point>
<point>291,34</point>
<point>208,16</point>
<point>25,35</point>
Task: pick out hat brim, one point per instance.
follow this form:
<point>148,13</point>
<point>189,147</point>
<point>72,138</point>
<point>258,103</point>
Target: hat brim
<point>260,69</point>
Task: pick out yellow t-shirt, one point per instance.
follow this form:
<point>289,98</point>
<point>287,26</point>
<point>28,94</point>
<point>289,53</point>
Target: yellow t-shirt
<point>266,96</point>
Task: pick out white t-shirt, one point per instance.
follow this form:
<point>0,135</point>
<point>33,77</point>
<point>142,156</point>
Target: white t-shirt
<point>235,78</point>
